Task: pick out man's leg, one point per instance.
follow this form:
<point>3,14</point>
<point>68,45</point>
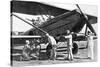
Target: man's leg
<point>25,53</point>
<point>70,55</point>
<point>26,56</point>
<point>49,51</point>
<point>53,53</point>
<point>90,48</point>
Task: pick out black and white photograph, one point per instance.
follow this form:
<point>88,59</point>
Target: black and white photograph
<point>44,33</point>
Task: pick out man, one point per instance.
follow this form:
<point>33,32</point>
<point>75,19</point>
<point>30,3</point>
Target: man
<point>53,43</point>
<point>90,45</point>
<point>26,51</point>
<point>69,43</point>
<point>37,48</point>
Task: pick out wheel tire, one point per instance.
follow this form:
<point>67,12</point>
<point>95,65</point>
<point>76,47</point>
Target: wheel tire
<point>75,48</point>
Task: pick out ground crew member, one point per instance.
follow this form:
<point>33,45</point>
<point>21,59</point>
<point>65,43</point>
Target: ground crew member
<point>90,44</point>
<point>69,43</point>
<point>26,51</point>
<point>34,49</point>
<point>37,48</point>
<point>52,41</point>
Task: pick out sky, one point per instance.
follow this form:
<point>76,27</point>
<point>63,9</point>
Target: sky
<point>20,26</point>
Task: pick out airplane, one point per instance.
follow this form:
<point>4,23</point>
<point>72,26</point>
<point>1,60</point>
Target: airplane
<point>63,20</point>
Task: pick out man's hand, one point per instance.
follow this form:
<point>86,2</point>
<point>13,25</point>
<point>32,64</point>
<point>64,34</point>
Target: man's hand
<point>47,34</point>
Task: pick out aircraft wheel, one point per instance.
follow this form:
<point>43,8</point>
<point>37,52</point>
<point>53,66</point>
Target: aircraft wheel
<point>75,48</point>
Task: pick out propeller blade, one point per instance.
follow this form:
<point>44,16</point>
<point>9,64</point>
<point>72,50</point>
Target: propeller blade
<point>86,20</point>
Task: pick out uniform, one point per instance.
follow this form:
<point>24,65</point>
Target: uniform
<point>69,43</point>
<point>90,46</point>
<point>35,49</point>
<point>52,41</point>
<point>26,52</point>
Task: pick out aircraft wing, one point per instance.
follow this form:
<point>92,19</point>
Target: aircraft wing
<point>17,39</point>
<point>36,8</point>
<point>64,19</point>
<point>70,20</point>
<point>25,36</point>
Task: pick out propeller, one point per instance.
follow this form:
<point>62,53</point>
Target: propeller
<point>86,20</point>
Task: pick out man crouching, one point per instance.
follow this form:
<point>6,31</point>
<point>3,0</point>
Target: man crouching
<point>26,50</point>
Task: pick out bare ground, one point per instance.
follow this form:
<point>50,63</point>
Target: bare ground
<point>80,57</point>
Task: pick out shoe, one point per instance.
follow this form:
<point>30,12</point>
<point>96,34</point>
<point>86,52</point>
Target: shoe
<point>89,58</point>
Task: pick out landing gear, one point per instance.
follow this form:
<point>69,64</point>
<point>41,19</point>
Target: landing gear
<point>75,48</point>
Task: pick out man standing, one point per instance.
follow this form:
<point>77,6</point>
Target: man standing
<point>90,45</point>
<point>69,43</point>
<point>52,41</point>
